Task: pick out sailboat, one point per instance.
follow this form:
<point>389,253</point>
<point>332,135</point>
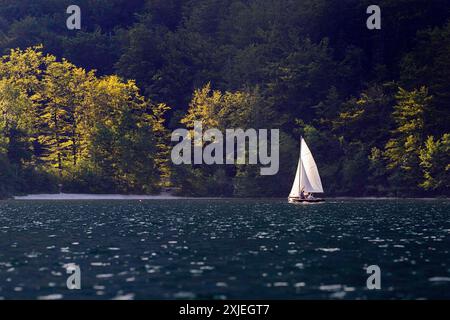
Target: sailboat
<point>307,177</point>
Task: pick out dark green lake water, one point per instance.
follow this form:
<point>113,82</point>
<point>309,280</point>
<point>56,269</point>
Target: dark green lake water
<point>236,249</point>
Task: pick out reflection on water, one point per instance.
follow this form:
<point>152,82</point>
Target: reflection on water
<point>194,249</point>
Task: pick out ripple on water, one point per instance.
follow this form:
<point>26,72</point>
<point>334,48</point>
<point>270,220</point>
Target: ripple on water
<point>55,296</point>
<point>439,279</point>
<point>100,264</point>
<point>104,276</point>
<point>184,295</point>
<point>128,296</point>
<point>328,249</point>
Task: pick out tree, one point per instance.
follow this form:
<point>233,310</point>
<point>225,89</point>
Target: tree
<point>377,180</point>
<point>435,163</point>
<point>63,100</point>
<point>403,148</point>
<point>366,118</point>
<point>428,64</point>
<point>126,140</point>
<point>15,123</point>
<point>58,119</point>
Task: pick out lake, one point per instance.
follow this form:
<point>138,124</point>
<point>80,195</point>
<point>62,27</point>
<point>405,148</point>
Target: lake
<point>225,249</point>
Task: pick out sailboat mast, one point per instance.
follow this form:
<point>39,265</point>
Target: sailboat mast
<point>301,168</point>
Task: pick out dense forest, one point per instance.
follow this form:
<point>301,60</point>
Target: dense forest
<point>92,110</point>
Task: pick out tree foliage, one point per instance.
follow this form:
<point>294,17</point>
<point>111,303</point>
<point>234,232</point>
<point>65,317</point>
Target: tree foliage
<point>372,104</point>
<point>78,127</point>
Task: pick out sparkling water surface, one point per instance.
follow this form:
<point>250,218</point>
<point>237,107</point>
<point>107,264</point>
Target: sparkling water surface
<point>225,249</point>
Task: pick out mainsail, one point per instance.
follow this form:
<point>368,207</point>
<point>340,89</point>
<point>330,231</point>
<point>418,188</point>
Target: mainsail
<point>307,176</point>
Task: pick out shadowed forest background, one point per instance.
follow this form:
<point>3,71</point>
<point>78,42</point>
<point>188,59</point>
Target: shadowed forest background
<point>92,110</point>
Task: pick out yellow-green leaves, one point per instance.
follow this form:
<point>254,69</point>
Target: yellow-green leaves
<point>74,122</point>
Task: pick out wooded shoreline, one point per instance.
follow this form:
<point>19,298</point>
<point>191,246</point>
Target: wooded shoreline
<point>63,197</point>
<point>92,110</point>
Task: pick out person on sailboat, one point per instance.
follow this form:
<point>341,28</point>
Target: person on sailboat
<point>310,196</point>
<point>302,194</point>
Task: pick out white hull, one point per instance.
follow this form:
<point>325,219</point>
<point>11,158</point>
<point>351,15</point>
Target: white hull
<point>298,200</point>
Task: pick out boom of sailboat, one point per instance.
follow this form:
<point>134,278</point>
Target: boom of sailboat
<point>307,179</point>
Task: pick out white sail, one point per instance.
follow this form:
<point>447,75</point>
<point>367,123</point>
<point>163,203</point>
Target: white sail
<point>307,176</point>
<point>310,177</point>
<point>295,191</point>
